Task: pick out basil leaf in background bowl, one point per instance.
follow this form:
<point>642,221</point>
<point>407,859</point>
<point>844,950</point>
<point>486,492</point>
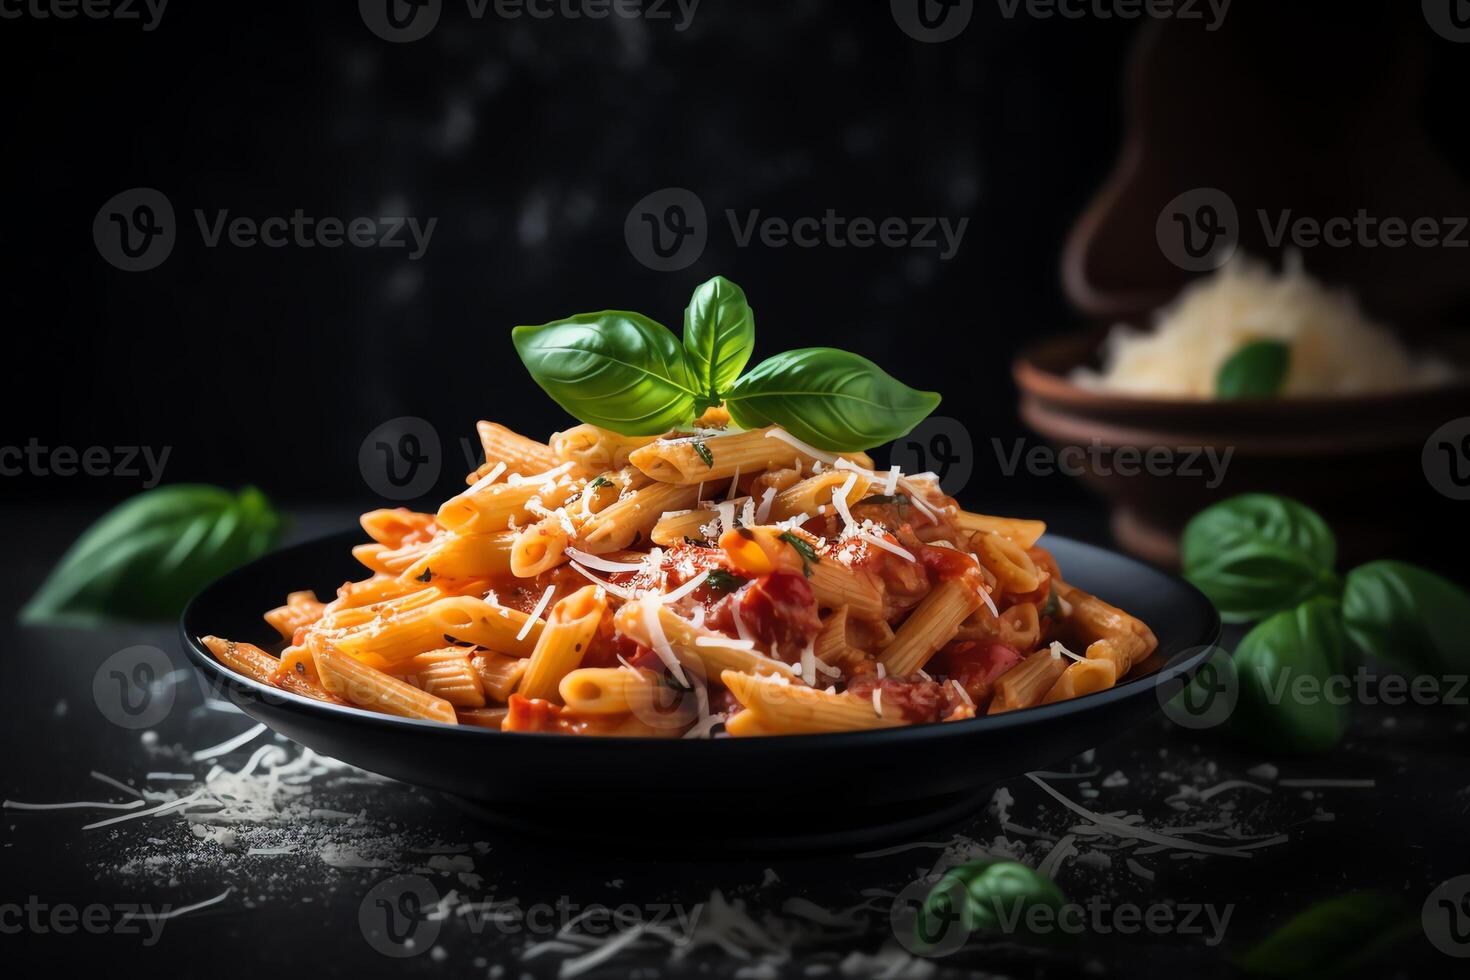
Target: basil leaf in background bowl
<point>1332,938</point>
<point>1408,617</point>
<point>1257,554</point>
<point>1257,370</point>
<point>614,369</point>
<point>719,337</point>
<point>146,558</point>
<point>833,399</point>
<point>1286,666</point>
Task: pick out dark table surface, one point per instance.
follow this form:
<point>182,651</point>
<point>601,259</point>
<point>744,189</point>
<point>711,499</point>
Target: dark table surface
<point>300,857</point>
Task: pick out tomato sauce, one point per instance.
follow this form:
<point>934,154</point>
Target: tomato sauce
<point>975,665</point>
<point>779,612</point>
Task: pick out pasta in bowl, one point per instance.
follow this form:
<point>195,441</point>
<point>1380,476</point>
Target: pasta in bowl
<point>714,581</point>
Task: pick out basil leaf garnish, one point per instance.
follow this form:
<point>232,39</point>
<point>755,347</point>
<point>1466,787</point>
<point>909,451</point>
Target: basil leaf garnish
<point>719,336</point>
<point>833,399</point>
<point>1276,707</point>
<point>1257,554</point>
<point>614,369</point>
<point>993,899</point>
<point>1257,370</point>
<point>146,558</point>
<point>1333,938</point>
<point>1408,616</point>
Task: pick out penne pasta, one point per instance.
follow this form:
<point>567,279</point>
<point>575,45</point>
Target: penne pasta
<point>789,709</point>
<point>1027,683</point>
<point>1022,532</point>
<point>632,518</point>
<point>519,454</point>
<point>359,684</point>
<point>563,643</point>
<point>931,625</point>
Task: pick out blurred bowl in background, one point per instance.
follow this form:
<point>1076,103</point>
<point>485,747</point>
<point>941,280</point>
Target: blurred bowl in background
<point>1358,460</point>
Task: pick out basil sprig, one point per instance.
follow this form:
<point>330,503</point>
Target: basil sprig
<point>147,557</point>
<point>1270,559</point>
<point>987,898</point>
<point>1257,370</point>
<point>623,371</point>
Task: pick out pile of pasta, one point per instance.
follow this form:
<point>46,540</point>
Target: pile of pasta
<point>717,581</point>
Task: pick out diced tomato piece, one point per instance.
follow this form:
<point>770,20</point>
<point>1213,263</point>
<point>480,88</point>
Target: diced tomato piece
<point>975,665</point>
<point>780,609</point>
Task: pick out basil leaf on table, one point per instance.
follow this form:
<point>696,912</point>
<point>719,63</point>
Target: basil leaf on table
<point>1257,370</point>
<point>147,557</point>
<point>1408,616</point>
<point>1275,708</point>
<point>1332,937</point>
<point>719,336</point>
<point>614,369</point>
<point>995,897</point>
<point>1257,554</point>
<point>833,399</point>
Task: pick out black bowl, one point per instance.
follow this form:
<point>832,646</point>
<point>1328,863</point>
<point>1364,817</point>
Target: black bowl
<point>843,789</point>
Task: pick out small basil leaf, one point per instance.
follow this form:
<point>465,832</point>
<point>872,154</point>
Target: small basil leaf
<point>997,897</point>
<point>1332,938</point>
<point>1257,554</point>
<point>147,557</point>
<point>1408,616</point>
<point>719,335</point>
<point>618,370</point>
<point>1257,370</point>
<point>1286,666</point>
<point>833,399</point>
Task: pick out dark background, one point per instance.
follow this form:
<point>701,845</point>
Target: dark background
<point>530,141</point>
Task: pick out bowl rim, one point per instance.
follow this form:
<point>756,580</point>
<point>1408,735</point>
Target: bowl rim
<point>1180,663</point>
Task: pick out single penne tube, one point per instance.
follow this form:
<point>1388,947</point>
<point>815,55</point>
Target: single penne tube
<point>812,494</point>
<point>783,708</point>
<point>371,557</point>
<point>1025,533</point>
<point>541,546</point>
<point>1018,627</point>
<point>359,684</point>
<point>353,617</point>
<point>499,628</point>
<point>465,556</point>
<point>446,674</point>
<point>1008,562</point>
<point>747,724</point>
<point>499,674</point>
<point>1026,683</point>
<point>397,526</point>
<point>595,450</point>
<point>493,508</point>
<point>243,658</point>
<point>572,623</point>
<point>388,640</point>
<point>633,517</point>
<point>831,644</point>
<point>704,651</point>
<point>931,625</point>
<point>764,549</point>
<point>609,690</point>
<point>680,526</point>
<point>1096,620</point>
<point>301,609</point>
<point>835,584</point>
<point>518,453</point>
<point>379,588</point>
<point>490,718</point>
<point>1082,677</point>
<point>705,459</point>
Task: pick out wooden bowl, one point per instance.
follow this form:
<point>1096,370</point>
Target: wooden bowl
<point>1357,460</point>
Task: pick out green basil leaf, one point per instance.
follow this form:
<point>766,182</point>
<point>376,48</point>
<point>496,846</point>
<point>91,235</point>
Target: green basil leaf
<point>1257,370</point>
<point>1408,616</point>
<point>1291,670</point>
<point>1332,938</point>
<point>1257,554</point>
<point>833,399</point>
<point>719,336</point>
<point>614,369</point>
<point>995,897</point>
<point>148,556</point>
